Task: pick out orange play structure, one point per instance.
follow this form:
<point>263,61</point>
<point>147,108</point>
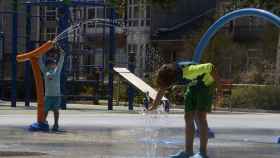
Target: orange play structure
<point>33,57</point>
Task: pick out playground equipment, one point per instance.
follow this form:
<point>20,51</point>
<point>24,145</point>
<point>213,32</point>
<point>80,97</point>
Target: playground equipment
<point>33,57</point>
<point>63,40</point>
<point>141,85</point>
<point>64,22</point>
<point>67,14</point>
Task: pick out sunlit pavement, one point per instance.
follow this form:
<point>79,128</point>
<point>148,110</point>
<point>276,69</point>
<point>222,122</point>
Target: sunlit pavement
<point>91,131</point>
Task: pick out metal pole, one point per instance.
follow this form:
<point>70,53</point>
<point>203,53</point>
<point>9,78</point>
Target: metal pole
<point>118,91</point>
<point>1,63</point>
<point>277,76</point>
<point>97,92</point>
<point>227,18</point>
<point>64,24</point>
<point>28,47</point>
<point>104,50</point>
<point>14,54</point>
<point>111,60</point>
<point>130,89</point>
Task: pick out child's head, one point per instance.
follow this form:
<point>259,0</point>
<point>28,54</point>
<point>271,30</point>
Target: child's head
<point>166,75</point>
<point>52,55</point>
<point>51,64</point>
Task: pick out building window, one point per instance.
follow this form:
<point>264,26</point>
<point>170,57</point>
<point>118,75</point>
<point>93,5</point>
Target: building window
<point>91,13</point>
<point>136,12</point>
<point>95,13</point>
<point>148,15</point>
<point>98,56</point>
<point>50,33</point>
<point>129,12</point>
<point>132,48</point>
<point>141,56</point>
<point>148,22</point>
<point>77,13</point>
<point>121,57</point>
<point>51,13</point>
<point>100,13</point>
<point>4,20</point>
<point>135,23</point>
<point>142,23</point>
<point>139,13</point>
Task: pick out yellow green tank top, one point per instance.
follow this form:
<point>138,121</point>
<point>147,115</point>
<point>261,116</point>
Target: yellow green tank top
<point>193,71</point>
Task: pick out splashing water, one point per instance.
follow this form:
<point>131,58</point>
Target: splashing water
<point>73,29</point>
<point>153,121</point>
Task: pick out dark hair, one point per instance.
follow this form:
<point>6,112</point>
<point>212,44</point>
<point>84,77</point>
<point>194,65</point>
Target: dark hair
<point>51,56</point>
<point>50,61</point>
<point>166,75</point>
<point>54,50</point>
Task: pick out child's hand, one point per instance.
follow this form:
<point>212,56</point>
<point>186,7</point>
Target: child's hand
<point>58,47</point>
<point>152,107</point>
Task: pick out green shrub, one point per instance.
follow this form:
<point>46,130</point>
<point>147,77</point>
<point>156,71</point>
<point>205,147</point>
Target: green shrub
<point>259,97</point>
<point>121,92</point>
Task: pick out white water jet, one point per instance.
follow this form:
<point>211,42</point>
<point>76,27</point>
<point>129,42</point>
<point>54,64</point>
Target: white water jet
<point>153,121</point>
<point>71,31</point>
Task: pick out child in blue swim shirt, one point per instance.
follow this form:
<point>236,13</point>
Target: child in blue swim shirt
<point>51,72</point>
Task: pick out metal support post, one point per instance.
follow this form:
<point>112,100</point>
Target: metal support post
<point>130,88</point>
<point>64,24</point>
<point>14,53</point>
<point>27,66</point>
<point>2,43</point>
<point>112,53</point>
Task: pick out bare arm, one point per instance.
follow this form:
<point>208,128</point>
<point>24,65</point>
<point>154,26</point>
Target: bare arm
<point>157,101</point>
<point>42,65</point>
<point>60,62</point>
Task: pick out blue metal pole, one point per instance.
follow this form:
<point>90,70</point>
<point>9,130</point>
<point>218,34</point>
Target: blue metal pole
<point>112,53</point>
<point>227,18</point>
<point>1,63</point>
<point>130,89</point>
<point>14,54</point>
<point>104,48</point>
<point>28,47</point>
<point>64,24</point>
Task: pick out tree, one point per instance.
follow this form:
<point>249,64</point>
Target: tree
<point>120,4</point>
<point>270,5</point>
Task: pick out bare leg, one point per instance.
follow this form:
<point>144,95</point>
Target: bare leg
<point>189,120</point>
<point>56,117</point>
<point>46,116</point>
<point>202,124</point>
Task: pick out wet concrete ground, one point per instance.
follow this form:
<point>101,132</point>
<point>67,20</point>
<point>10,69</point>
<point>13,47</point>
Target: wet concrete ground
<point>94,132</point>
